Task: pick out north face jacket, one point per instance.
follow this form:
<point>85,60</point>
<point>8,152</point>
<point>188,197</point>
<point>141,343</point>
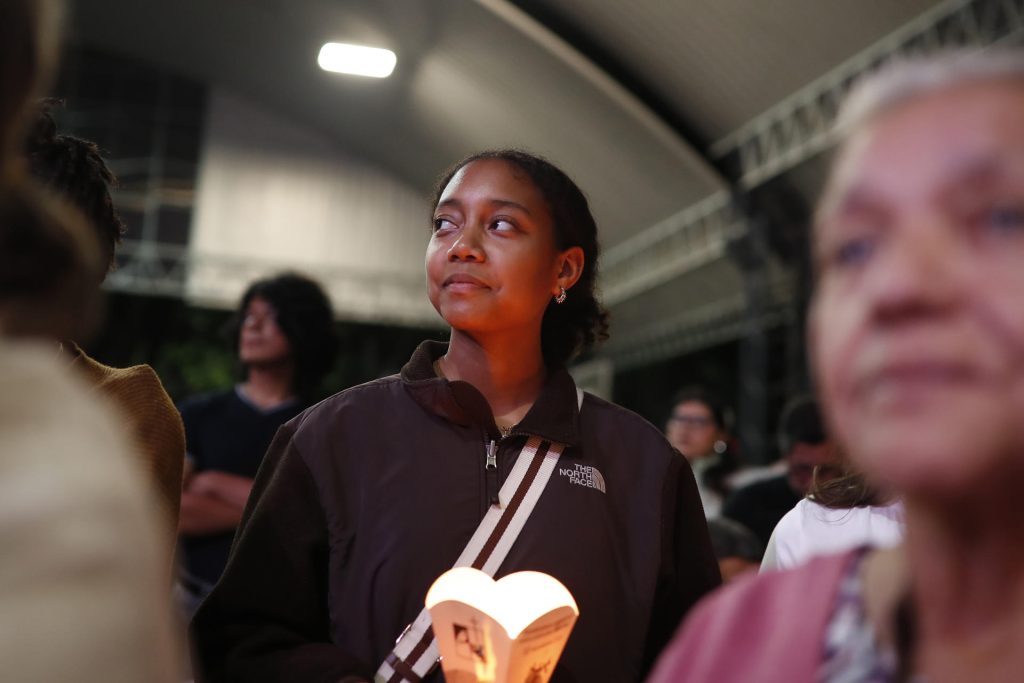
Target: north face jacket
<point>366,498</point>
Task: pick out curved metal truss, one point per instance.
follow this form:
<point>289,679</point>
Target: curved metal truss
<point>798,127</point>
<point>681,243</point>
<point>725,320</point>
<point>155,269</point>
<point>784,136</point>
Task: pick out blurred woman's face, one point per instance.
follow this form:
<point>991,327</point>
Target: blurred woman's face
<point>692,430</point>
<point>492,262</point>
<point>917,323</point>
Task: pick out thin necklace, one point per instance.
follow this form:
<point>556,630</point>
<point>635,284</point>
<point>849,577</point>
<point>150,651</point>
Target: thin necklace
<point>505,431</point>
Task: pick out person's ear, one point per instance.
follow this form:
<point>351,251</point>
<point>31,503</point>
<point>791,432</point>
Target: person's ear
<point>570,268</point>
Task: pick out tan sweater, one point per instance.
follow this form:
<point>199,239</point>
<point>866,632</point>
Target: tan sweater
<point>154,424</point>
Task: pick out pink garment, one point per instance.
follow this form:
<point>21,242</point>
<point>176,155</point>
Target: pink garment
<point>768,628</point>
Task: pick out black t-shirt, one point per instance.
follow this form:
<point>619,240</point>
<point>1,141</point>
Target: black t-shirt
<point>760,506</point>
<point>227,433</point>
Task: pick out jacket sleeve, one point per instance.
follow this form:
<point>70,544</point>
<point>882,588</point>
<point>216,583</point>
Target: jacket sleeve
<point>267,619</point>
<point>689,569</point>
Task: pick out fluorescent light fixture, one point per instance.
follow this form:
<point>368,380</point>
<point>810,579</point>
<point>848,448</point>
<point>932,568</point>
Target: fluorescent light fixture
<point>358,60</point>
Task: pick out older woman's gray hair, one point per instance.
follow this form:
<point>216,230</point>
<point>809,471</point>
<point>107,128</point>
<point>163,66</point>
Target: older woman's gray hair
<point>908,77</point>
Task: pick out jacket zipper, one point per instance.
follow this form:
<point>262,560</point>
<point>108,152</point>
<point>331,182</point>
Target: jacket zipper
<point>491,472</point>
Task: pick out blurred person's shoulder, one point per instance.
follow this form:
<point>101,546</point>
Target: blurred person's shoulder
<point>792,535</point>
<point>812,529</point>
<point>49,410</point>
<point>31,371</point>
<point>141,398</point>
<point>81,533</point>
<point>779,616</point>
<point>136,387</point>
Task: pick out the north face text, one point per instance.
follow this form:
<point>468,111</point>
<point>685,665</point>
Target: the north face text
<point>583,475</point>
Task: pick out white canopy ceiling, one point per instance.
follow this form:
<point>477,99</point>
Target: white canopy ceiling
<point>652,106</point>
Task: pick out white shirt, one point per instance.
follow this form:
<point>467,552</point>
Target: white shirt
<point>811,529</point>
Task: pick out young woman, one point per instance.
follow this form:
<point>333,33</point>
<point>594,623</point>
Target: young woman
<point>364,500</point>
<point>918,346</point>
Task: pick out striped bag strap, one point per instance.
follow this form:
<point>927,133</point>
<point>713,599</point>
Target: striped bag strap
<point>415,653</point>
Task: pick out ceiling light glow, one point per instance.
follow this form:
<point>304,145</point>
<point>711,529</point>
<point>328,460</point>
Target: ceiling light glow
<point>358,60</point>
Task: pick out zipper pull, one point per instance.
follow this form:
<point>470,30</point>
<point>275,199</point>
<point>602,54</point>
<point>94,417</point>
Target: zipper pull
<point>492,456</point>
<point>491,472</point>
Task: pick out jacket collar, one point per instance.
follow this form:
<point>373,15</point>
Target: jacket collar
<point>554,416</point>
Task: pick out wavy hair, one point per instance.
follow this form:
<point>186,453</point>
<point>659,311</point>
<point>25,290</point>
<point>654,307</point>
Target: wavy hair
<point>305,318</point>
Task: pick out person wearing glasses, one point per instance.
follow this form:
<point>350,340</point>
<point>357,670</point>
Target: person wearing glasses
<point>807,456</point>
<point>698,428</point>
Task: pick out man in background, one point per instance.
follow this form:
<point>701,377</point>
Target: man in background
<point>807,453</point>
<point>286,343</point>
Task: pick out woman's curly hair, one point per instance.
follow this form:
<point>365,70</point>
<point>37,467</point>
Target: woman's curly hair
<point>75,170</point>
<point>581,321</point>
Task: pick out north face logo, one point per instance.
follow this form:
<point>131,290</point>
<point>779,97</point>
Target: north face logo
<point>583,475</point>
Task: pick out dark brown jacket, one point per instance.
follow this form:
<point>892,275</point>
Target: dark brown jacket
<point>364,499</point>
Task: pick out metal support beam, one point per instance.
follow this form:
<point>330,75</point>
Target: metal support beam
<point>784,136</point>
<point>799,126</point>
<point>155,269</point>
<point>683,242</point>
<point>717,322</point>
<point>752,405</point>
